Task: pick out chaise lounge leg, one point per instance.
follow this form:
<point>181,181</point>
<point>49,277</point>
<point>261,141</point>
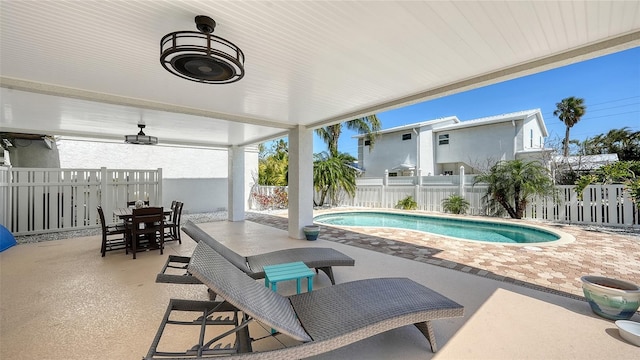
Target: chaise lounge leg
<point>329,271</point>
<point>427,330</point>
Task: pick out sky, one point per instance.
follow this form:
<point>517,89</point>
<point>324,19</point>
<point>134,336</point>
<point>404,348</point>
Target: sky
<point>609,85</point>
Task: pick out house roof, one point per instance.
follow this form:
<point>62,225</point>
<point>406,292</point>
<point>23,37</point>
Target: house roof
<point>455,123</point>
<point>585,162</point>
<point>431,123</point>
<point>92,69</point>
<point>518,115</point>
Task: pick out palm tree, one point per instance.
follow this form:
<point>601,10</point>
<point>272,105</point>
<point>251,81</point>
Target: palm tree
<point>569,111</point>
<point>368,125</point>
<point>333,173</point>
<point>624,142</point>
<point>512,183</point>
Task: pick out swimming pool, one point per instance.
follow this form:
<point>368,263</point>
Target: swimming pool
<point>477,230</point>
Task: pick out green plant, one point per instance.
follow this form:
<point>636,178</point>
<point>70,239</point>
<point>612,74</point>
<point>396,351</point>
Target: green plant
<point>369,125</point>
<point>407,204</point>
<point>513,183</point>
<point>455,204</point>
<point>332,174</point>
<point>620,172</point>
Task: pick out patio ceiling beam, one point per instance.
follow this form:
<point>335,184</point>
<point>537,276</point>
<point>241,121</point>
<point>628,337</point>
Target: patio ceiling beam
<point>55,90</point>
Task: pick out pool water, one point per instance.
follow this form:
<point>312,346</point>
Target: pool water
<point>460,228</point>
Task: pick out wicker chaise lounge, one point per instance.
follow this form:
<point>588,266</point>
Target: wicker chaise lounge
<point>314,257</point>
<point>321,320</point>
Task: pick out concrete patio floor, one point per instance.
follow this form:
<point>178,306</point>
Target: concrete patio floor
<point>61,300</point>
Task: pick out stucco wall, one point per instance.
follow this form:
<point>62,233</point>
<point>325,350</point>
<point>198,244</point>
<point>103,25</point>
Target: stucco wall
<point>34,154</point>
<point>474,145</point>
<point>531,127</point>
<point>427,159</point>
<point>198,195</point>
<point>195,176</point>
<point>389,151</point>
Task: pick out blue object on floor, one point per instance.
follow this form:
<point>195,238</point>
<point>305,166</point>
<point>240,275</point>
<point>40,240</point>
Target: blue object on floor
<point>6,239</point>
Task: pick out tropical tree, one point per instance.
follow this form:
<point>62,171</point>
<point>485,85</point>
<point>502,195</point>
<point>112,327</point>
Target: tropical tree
<point>569,111</point>
<point>620,172</point>
<point>333,173</point>
<point>513,183</point>
<point>369,125</point>
<point>624,142</point>
<point>273,164</point>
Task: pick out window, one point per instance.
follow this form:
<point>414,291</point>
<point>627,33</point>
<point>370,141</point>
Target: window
<point>393,174</point>
<point>448,172</point>
<point>367,142</point>
<point>443,139</point>
<point>531,138</point>
<point>406,136</point>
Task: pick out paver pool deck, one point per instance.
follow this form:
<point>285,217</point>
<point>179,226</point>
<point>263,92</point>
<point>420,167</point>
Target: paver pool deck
<point>550,268</point>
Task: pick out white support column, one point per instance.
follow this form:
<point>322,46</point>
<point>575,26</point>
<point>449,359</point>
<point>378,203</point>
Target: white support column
<point>300,180</point>
<point>236,203</point>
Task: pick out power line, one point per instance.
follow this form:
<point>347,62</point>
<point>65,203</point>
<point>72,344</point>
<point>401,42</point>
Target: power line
<point>589,110</point>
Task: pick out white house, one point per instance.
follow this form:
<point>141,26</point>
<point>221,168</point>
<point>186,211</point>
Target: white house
<point>441,146</point>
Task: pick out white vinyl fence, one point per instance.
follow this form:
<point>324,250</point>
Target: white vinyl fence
<point>5,208</point>
<point>45,200</point>
<point>428,197</point>
<point>607,205</point>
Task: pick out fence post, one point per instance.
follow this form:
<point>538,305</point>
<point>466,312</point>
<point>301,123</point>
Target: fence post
<point>461,191</point>
<point>105,193</point>
<point>159,187</point>
<point>417,196</point>
<point>5,196</point>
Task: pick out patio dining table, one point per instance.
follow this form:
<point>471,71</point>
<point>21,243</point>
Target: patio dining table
<point>126,214</point>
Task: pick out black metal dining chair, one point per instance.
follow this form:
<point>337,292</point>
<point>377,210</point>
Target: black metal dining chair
<point>146,230</point>
<point>172,227</point>
<point>113,235</point>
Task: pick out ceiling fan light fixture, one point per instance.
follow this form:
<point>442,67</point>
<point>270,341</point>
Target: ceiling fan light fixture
<point>201,56</point>
<point>141,138</point>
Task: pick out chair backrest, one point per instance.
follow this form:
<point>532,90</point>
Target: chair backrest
<point>177,213</point>
<point>243,292</point>
<point>133,203</point>
<point>102,221</point>
<point>198,235</point>
<point>152,217</point>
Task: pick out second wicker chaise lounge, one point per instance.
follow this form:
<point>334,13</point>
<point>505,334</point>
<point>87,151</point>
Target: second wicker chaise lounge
<point>321,320</point>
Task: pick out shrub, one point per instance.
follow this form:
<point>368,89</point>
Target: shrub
<point>407,204</point>
<point>455,204</point>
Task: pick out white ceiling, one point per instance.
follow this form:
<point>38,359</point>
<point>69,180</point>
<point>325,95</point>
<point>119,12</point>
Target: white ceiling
<point>91,68</point>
